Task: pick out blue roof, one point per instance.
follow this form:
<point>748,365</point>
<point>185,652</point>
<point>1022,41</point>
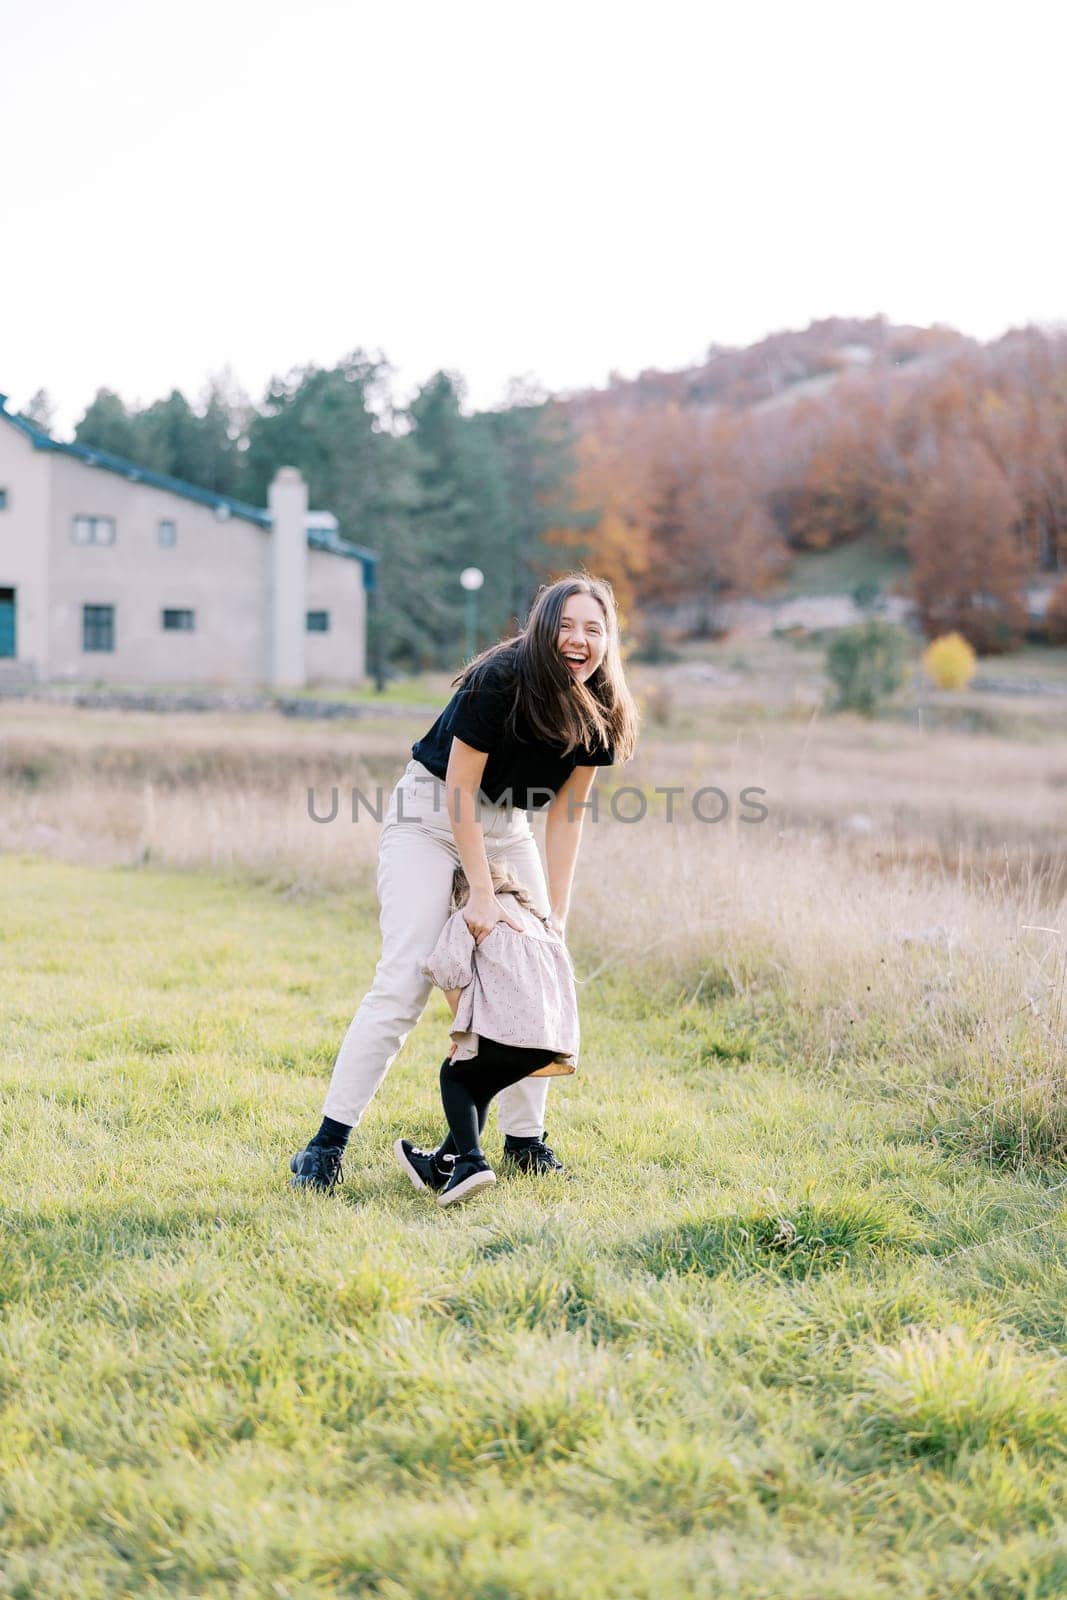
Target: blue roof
<point>317,538</point>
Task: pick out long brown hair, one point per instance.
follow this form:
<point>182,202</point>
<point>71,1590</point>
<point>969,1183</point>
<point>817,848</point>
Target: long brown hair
<point>504,882</point>
<point>559,708</point>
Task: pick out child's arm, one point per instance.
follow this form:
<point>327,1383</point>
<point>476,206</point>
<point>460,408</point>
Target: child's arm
<point>449,964</point>
<point>452,996</point>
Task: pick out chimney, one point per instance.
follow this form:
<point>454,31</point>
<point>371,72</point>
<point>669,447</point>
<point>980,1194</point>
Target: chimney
<point>287,502</point>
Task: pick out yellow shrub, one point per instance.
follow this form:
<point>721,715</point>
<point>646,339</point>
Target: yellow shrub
<point>950,661</point>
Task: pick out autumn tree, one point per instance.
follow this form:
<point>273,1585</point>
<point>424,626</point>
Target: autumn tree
<point>710,532</point>
<point>729,543</point>
<point>967,562</point>
<point>854,483</point>
<point>1056,615</point>
<point>610,531</point>
<point>1021,419</point>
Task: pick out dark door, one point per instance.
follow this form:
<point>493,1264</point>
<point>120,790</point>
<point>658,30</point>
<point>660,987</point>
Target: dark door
<point>7,622</point>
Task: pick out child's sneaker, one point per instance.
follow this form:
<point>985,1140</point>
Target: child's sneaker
<point>422,1166</point>
<point>468,1174</point>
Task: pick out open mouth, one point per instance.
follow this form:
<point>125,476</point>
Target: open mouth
<point>575,661</point>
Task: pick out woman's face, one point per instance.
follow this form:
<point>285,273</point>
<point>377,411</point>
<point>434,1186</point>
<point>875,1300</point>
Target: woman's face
<point>583,638</point>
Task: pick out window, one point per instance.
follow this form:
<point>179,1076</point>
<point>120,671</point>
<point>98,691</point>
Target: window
<point>318,622</point>
<point>3,500</point>
<point>7,623</point>
<point>168,533</point>
<point>98,627</point>
<point>93,530</point>
<point>178,621</point>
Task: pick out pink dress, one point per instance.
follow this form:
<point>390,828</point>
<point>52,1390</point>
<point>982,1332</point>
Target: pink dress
<point>517,988</point>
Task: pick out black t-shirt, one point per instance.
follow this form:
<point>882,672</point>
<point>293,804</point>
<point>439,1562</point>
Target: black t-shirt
<point>533,769</point>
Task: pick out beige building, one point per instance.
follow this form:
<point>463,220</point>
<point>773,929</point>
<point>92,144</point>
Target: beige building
<point>112,573</point>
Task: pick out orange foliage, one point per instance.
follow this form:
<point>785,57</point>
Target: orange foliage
<point>855,481</point>
<point>967,563</point>
<point>607,488</point>
<point>918,440</point>
<point>712,534</point>
<point>1056,615</point>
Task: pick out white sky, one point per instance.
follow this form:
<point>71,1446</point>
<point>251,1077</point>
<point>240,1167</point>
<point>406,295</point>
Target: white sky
<point>552,189</point>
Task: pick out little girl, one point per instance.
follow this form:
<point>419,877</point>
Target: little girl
<point>514,1015</point>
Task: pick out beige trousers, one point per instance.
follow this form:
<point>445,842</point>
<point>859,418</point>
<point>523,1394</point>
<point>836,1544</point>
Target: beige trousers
<point>417,857</point>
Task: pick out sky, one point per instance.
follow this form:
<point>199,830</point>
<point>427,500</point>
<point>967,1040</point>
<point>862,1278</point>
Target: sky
<point>549,192</point>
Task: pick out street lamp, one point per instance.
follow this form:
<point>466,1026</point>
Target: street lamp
<point>472,579</point>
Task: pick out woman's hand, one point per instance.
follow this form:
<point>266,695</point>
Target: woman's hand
<point>482,913</point>
<point>556,922</point>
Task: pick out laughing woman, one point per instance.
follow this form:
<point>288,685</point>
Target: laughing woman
<point>531,720</point>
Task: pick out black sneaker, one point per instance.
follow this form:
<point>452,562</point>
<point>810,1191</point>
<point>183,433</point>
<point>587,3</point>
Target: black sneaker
<point>469,1174</point>
<point>317,1167</point>
<point>421,1166</point>
<point>531,1155</point>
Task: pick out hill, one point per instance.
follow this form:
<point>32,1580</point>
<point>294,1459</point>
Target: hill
<point>936,460</point>
<point>782,365</point>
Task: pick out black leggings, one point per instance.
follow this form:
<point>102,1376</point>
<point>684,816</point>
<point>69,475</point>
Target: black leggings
<point>467,1087</point>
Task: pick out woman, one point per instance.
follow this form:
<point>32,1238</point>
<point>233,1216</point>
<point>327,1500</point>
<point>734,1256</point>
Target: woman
<point>531,720</point>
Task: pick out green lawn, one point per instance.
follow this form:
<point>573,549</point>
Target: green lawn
<point>771,1339</point>
<point>418,688</point>
<point>411,689</point>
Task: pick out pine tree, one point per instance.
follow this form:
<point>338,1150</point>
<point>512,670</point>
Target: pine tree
<point>107,425</point>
